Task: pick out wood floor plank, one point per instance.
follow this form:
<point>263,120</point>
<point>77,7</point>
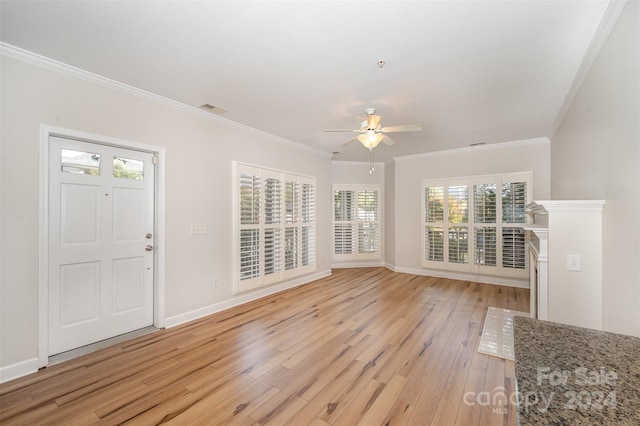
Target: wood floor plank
<point>362,346</point>
<point>384,402</point>
<point>493,411</point>
<point>323,399</point>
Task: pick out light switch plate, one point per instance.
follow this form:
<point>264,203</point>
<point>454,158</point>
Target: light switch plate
<point>199,229</point>
<point>574,262</point>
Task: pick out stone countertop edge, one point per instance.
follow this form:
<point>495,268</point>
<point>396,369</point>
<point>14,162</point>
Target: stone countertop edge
<point>569,375</point>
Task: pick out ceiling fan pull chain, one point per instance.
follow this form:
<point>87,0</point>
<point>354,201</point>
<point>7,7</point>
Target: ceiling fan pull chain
<point>370,161</point>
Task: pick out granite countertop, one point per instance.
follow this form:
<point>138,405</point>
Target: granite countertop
<point>571,375</point>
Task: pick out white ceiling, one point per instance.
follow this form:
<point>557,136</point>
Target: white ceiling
<point>469,72</point>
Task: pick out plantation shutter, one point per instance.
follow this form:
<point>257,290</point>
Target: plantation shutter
<point>434,223</point>
<point>368,227</point>
<point>514,204</point>
<point>356,222</point>
<point>513,248</point>
<point>485,224</point>
<point>458,217</point>
<point>276,227</point>
<point>308,206</point>
<point>292,216</point>
<point>272,225</point>
<point>344,217</point>
<point>249,225</point>
<point>475,224</point>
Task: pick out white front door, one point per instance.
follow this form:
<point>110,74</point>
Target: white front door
<point>101,213</point>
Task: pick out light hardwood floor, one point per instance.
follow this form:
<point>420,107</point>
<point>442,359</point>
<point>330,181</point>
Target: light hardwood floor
<point>364,346</point>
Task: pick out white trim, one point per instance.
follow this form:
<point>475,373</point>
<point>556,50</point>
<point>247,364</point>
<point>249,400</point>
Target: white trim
<point>609,19</point>
<point>46,132</point>
<point>374,264</point>
<point>476,148</point>
<point>57,66</point>
<point>356,163</point>
<point>463,276</point>
<point>539,206</point>
<point>19,369</point>
<point>243,298</point>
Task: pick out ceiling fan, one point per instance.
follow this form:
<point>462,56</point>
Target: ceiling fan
<point>372,133</point>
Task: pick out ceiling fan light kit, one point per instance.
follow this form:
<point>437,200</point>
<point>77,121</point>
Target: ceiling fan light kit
<point>371,139</point>
<point>371,133</point>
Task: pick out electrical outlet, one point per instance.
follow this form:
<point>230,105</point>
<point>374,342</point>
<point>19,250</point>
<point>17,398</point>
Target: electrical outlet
<point>574,262</point>
<point>199,229</point>
<point>216,282</point>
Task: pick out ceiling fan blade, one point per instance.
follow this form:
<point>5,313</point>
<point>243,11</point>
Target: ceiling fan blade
<point>405,128</point>
<point>344,130</point>
<point>373,121</point>
<point>388,140</point>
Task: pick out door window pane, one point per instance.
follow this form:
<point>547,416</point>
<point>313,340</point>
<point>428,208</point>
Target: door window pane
<point>127,168</point>
<point>80,162</point>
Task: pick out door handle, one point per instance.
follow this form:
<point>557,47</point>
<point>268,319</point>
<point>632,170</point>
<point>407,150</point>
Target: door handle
<point>148,248</point>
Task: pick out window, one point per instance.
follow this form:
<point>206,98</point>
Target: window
<point>356,222</point>
<point>80,162</point>
<point>474,224</point>
<point>127,168</point>
<point>275,226</point>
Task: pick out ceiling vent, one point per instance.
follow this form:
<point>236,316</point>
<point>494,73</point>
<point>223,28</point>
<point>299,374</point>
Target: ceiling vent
<point>212,109</point>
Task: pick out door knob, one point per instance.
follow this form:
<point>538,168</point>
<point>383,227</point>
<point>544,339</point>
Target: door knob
<point>148,236</point>
<point>148,248</point>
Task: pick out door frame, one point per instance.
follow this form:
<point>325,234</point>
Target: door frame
<point>46,132</point>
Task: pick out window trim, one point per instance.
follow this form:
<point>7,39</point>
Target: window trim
<point>471,266</point>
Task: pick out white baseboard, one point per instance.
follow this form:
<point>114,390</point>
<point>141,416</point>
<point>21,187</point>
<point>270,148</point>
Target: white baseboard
<point>362,264</point>
<point>464,276</point>
<point>241,299</point>
<point>14,371</point>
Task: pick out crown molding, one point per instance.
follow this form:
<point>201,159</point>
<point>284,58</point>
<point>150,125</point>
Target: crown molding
<point>355,163</point>
<point>488,147</point>
<point>60,67</point>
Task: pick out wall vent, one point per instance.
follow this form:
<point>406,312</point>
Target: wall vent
<point>212,109</point>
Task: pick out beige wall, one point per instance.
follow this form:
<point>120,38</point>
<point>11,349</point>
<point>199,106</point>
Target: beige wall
<point>595,154</point>
<point>390,214</point>
<point>199,155</point>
